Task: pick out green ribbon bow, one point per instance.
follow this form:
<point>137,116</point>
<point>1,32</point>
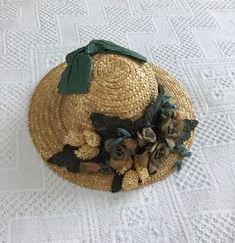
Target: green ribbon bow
<point>77,75</point>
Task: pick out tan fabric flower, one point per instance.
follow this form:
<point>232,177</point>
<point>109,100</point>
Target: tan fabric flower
<point>130,144</point>
<point>87,152</point>
<point>142,159</point>
<point>130,180</point>
<point>75,138</point>
<point>121,166</point>
<point>158,153</point>
<point>121,150</point>
<point>87,167</point>
<point>140,140</point>
<point>152,168</point>
<point>179,115</point>
<point>147,136</point>
<point>92,138</point>
<point>172,127</point>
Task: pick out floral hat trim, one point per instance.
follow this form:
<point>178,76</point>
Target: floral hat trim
<point>132,151</point>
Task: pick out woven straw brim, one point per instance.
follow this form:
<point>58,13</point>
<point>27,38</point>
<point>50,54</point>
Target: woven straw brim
<point>48,130</point>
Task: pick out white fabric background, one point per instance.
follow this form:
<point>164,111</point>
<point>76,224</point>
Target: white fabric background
<point>195,40</point>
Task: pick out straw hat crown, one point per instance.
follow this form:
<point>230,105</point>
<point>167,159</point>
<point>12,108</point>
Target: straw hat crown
<point>120,86</point>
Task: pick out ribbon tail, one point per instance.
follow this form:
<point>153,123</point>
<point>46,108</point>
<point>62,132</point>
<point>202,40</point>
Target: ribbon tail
<point>63,86</point>
<point>76,76</point>
<point>85,70</point>
<point>110,47</point>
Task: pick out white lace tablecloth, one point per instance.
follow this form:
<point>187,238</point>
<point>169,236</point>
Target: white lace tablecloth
<point>195,40</point>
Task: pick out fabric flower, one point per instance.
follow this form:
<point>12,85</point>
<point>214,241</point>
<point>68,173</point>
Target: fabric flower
<point>142,159</point>
<point>120,148</point>
<point>158,153</point>
<point>121,166</point>
<point>172,127</point>
<point>152,168</point>
<point>147,136</point>
<point>87,167</point>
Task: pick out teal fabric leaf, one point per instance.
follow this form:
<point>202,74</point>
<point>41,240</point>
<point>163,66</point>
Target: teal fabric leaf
<point>123,133</point>
<point>115,142</point>
<point>166,100</point>
<point>147,124</point>
<point>167,104</point>
<point>181,150</point>
<point>179,165</point>
<point>77,75</point>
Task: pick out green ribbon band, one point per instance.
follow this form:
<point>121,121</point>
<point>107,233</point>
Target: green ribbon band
<point>77,75</point>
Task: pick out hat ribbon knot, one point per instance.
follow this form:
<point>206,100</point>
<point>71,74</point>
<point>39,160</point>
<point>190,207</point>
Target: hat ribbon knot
<point>77,75</point>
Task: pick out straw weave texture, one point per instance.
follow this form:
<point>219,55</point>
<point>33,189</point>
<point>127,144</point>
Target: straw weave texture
<point>119,87</point>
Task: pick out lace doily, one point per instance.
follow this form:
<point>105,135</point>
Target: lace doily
<point>195,41</point>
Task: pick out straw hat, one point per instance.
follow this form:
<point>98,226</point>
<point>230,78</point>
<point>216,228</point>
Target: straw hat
<point>71,128</point>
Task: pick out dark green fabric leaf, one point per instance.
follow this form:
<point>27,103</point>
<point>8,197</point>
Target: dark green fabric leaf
<point>189,125</point>
<point>73,166</point>
<point>117,183</point>
<point>106,126</point>
<point>140,150</point>
<point>152,110</point>
<point>106,168</point>
<point>183,151</point>
<point>103,157</point>
<point>77,75</point>
<point>66,158</point>
<point>151,114</point>
<point>57,159</point>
